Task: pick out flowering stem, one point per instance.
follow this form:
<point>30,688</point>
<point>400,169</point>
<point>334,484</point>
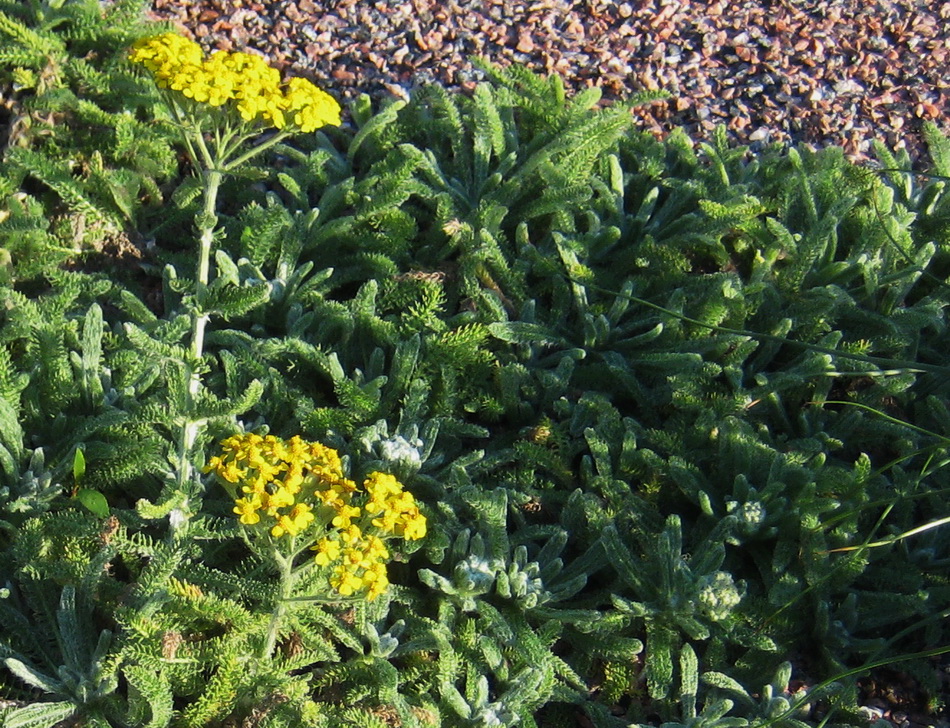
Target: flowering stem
<point>202,159</point>
<point>285,565</point>
<point>263,146</point>
<point>214,165</point>
<point>247,89</point>
<point>206,221</point>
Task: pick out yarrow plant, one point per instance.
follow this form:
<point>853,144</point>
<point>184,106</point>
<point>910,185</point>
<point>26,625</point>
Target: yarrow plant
<point>221,103</point>
<point>554,326</point>
<point>291,496</point>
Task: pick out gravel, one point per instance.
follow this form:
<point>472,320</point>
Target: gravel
<point>837,72</point>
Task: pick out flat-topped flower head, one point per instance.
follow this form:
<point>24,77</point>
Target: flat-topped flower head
<point>288,488</point>
<point>242,81</point>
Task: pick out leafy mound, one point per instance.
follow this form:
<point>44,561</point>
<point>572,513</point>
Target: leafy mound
<point>670,415</point>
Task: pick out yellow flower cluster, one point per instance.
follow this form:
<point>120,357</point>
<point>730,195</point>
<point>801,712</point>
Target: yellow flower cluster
<point>272,473</point>
<point>396,510</point>
<point>245,79</point>
<point>358,561</point>
<point>298,486</point>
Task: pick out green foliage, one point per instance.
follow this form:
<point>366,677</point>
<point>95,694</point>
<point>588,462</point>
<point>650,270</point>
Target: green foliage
<point>670,410</point>
<point>78,153</point>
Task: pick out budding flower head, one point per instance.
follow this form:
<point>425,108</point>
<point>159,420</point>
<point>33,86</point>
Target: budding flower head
<point>241,81</point>
<point>399,450</point>
<point>719,595</point>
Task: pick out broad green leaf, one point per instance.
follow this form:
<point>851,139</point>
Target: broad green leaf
<point>79,465</point>
<point>94,501</point>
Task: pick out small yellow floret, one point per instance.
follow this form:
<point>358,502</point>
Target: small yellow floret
<point>280,498</point>
<point>298,520</point>
<point>344,516</point>
<point>328,550</point>
<point>377,579</point>
<point>345,582</point>
<point>247,509</point>
<point>414,527</point>
<point>351,534</point>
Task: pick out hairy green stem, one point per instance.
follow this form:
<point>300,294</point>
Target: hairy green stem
<point>257,149</point>
<point>215,163</point>
<point>285,564</point>
<point>206,222</point>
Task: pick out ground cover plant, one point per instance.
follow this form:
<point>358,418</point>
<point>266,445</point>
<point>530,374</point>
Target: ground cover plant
<point>480,410</point>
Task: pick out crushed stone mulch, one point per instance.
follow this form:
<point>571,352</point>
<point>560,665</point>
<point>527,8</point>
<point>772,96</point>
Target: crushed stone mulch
<point>838,72</point>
